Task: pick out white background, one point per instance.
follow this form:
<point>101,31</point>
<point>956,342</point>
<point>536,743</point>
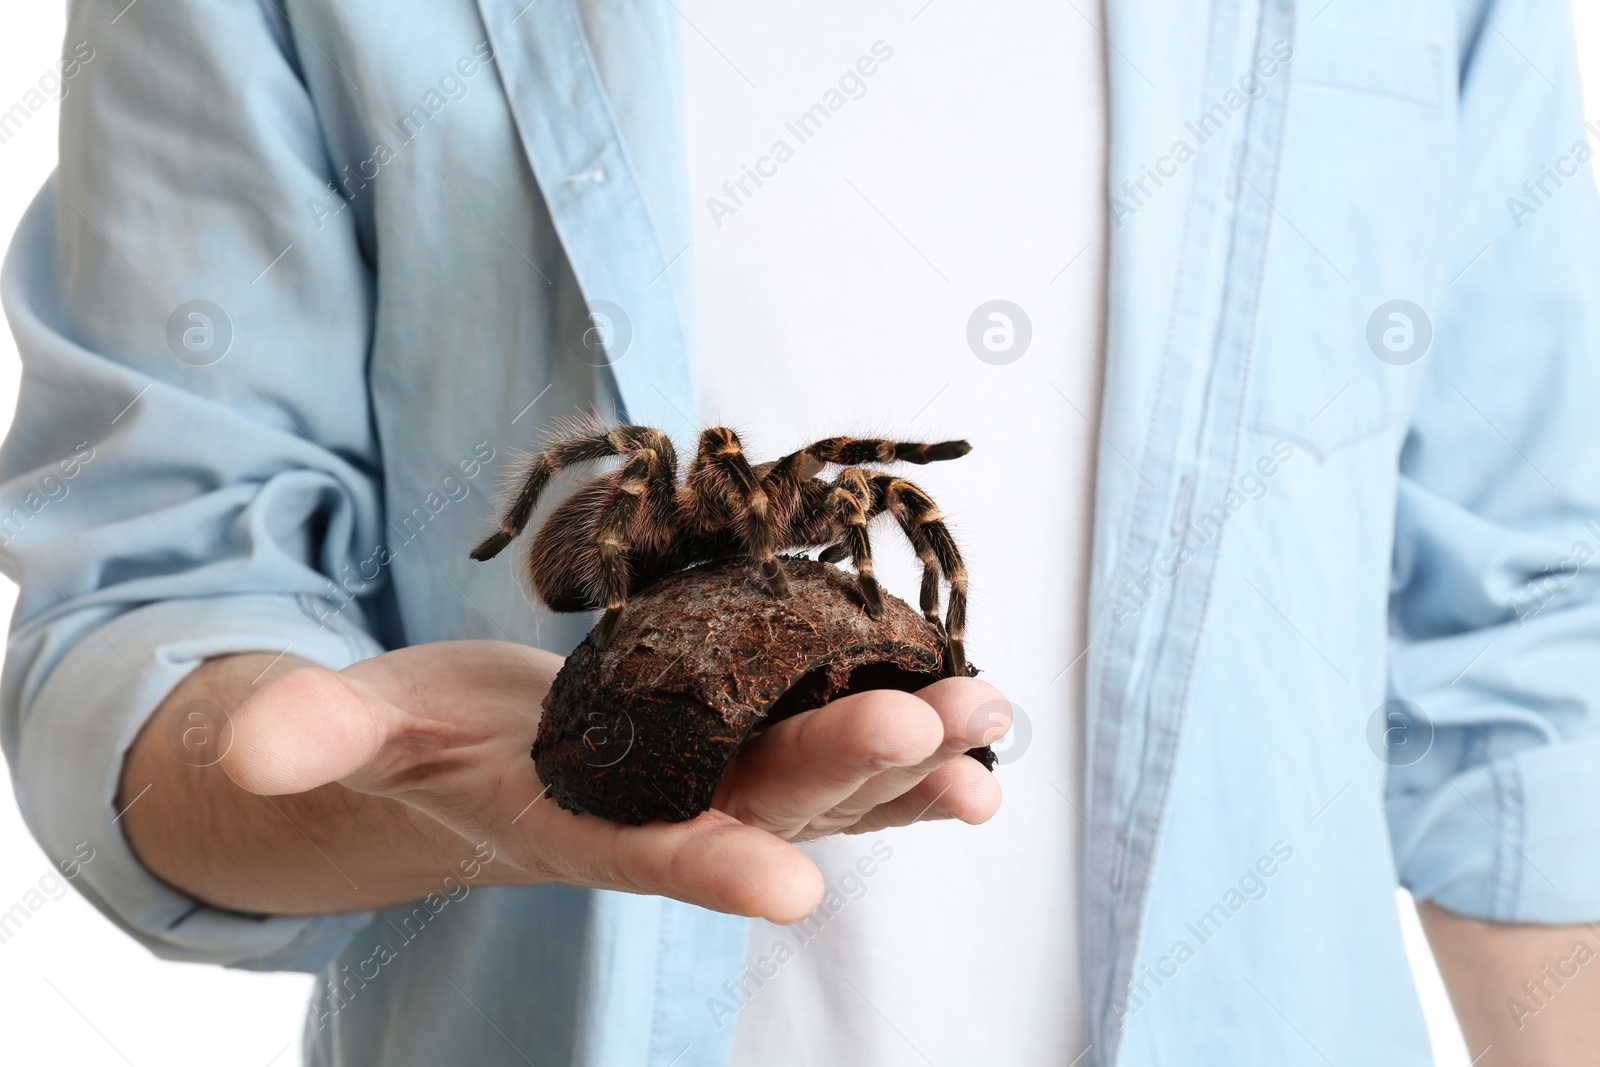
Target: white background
<point>72,987</point>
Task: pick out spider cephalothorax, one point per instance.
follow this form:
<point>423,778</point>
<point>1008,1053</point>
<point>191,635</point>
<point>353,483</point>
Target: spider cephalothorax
<point>622,530</point>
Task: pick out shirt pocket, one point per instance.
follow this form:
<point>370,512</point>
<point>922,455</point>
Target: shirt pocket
<point>1353,265</point>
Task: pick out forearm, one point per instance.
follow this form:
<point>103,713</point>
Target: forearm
<point>329,849</point>
<point>1526,996</point>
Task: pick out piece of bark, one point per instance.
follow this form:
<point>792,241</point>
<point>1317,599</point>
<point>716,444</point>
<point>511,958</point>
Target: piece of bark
<point>645,727</point>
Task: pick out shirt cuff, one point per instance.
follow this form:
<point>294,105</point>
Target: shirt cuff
<point>87,712</point>
<point>1512,841</point>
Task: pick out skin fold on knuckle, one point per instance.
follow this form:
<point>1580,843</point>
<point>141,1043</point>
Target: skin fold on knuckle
<point>829,823</point>
<point>582,855</point>
<point>894,816</point>
<point>763,813</point>
<point>784,815</point>
<point>952,793</point>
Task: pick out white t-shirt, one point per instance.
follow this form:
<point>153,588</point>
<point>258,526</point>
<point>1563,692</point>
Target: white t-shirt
<point>865,177</point>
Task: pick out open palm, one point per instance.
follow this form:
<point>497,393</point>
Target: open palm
<point>446,727</point>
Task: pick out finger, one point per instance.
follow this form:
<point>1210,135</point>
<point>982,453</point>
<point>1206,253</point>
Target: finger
<point>971,713</point>
<point>974,713</point>
<point>808,764</point>
<point>961,789</point>
<point>713,861</point>
<point>305,728</point>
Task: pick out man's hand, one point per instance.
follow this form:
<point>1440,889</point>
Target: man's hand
<point>422,753</point>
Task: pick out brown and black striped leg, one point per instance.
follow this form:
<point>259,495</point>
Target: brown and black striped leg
<point>925,529</point>
<point>929,600</point>
<point>721,477</point>
<point>547,464</point>
<point>851,451</point>
<point>849,499</point>
<point>615,577</point>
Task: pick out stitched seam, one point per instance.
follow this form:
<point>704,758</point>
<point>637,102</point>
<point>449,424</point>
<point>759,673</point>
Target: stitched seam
<point>1128,959</point>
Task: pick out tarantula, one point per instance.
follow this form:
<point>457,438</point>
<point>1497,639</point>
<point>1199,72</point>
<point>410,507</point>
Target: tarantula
<point>622,530</point>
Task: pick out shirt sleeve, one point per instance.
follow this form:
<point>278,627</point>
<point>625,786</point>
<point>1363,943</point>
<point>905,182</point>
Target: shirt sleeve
<point>1495,612</point>
<point>193,468</point>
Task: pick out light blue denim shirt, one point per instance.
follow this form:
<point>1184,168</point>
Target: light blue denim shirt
<point>308,271</point>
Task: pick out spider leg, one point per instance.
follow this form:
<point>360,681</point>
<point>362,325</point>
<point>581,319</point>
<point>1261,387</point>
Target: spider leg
<point>612,543</point>
<point>851,451</point>
<point>930,566</point>
<point>929,599</point>
<point>549,463</point>
<point>849,498</point>
<point>924,527</point>
<point>919,544</point>
<point>720,474</point>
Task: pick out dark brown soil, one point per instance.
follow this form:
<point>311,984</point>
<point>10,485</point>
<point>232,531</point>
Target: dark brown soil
<point>645,728</point>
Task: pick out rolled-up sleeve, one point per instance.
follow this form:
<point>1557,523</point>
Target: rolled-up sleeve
<point>1496,599</point>
<point>192,469</point>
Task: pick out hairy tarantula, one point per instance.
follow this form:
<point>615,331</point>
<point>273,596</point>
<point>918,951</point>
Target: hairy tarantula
<point>621,531</point>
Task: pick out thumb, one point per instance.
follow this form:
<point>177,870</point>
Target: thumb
<point>304,729</point>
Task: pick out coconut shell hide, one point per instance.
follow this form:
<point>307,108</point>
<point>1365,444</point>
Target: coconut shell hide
<point>645,727</point>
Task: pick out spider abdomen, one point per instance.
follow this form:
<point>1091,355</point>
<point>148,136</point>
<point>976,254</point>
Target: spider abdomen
<point>565,561</point>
